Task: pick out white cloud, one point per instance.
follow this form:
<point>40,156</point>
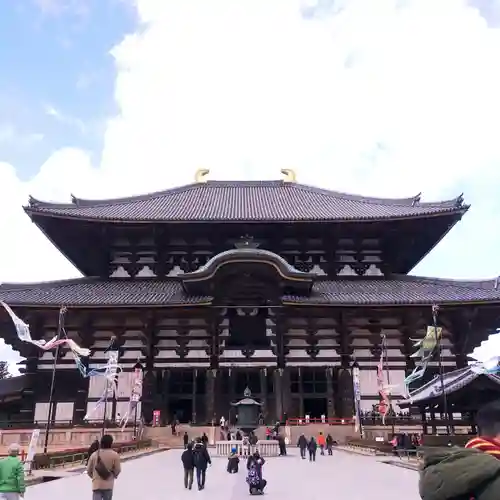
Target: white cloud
<point>383,98</point>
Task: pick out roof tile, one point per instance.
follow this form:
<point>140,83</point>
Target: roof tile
<point>403,290</point>
<point>246,201</point>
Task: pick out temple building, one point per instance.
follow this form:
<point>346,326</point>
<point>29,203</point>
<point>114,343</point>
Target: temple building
<point>217,286</point>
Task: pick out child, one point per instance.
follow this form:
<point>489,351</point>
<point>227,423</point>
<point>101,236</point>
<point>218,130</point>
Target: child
<point>233,461</point>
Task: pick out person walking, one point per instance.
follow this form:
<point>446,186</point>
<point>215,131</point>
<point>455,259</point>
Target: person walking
<point>187,459</point>
<point>185,439</point>
<point>12,486</point>
<point>93,447</point>
<point>329,444</point>
<point>103,468</point>
<point>321,443</point>
<point>312,447</point>
<point>201,461</point>
<point>302,445</point>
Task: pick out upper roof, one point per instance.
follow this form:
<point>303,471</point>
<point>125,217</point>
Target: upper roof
<point>452,382</point>
<point>245,201</point>
<point>142,292</point>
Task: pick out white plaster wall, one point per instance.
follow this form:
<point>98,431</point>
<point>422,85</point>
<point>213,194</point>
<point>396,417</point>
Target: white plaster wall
<point>97,386</point>
<point>98,414</point>
<point>367,404</point>
<point>41,412</point>
<point>368,382</point>
<point>64,411</point>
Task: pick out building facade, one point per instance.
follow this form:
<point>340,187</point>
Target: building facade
<point>217,286</point>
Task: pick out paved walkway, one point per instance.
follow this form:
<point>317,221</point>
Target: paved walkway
<point>159,477</point>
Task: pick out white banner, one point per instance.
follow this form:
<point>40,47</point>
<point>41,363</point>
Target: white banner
<point>35,436</point>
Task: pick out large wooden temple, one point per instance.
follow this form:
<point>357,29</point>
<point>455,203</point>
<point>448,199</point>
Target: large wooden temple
<point>218,286</point>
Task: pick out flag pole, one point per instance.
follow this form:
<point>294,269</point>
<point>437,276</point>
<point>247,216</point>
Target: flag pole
<point>435,311</point>
<point>62,311</point>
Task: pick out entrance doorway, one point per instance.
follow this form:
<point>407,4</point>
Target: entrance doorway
<point>315,407</point>
<point>181,408</point>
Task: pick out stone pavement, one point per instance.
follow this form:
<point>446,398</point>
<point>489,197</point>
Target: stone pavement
<point>159,477</point>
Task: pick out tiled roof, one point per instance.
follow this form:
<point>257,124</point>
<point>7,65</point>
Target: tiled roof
<point>343,292</point>
<point>246,201</point>
<point>452,381</point>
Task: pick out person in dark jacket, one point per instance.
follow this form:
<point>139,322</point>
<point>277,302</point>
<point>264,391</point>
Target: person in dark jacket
<point>256,461</point>
<point>282,445</point>
<point>185,438</point>
<point>201,461</point>
<point>239,437</point>
<point>93,447</point>
<point>471,473</point>
<point>329,444</point>
<point>204,439</point>
<point>233,462</point>
<point>312,446</point>
<point>187,459</point>
<point>302,445</point>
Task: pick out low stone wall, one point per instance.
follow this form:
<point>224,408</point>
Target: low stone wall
<point>63,438</point>
<point>265,448</point>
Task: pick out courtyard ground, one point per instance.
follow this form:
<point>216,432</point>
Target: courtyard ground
<point>159,477</point>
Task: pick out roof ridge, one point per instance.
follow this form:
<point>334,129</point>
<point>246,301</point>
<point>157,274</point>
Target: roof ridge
<point>454,282</point>
<point>409,201</point>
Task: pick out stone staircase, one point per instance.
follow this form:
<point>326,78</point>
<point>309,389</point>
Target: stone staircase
<point>163,435</point>
<point>340,433</point>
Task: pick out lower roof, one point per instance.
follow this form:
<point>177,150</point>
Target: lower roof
<point>452,381</point>
<point>356,291</point>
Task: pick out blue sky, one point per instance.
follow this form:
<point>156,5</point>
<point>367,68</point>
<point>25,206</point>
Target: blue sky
<point>387,98</point>
<point>57,78</point>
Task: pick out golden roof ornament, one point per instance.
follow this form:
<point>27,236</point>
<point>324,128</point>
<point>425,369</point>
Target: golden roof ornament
<point>289,174</point>
<point>201,175</point>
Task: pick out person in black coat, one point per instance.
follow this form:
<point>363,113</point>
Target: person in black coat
<point>282,445</point>
<point>302,445</point>
<point>201,461</point>
<point>312,447</point>
<point>185,438</point>
<point>256,461</point>
<point>92,448</point>
<point>204,439</point>
<point>187,459</point>
<point>329,444</point>
<point>233,462</point>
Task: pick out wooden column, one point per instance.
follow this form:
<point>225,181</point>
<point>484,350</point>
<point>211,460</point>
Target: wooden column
<point>210,395</point>
<point>149,381</point>
<point>80,407</point>
<point>278,384</point>
<point>345,399</point>
<point>193,395</point>
<point>263,389</point>
<point>329,389</point>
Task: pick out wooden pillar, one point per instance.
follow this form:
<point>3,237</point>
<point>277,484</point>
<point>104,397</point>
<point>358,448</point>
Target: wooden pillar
<point>80,406</point>
<point>263,389</point>
<point>329,390</point>
<point>345,398</point>
<point>165,414</point>
<point>278,384</point>
<point>193,396</point>
<point>210,401</point>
